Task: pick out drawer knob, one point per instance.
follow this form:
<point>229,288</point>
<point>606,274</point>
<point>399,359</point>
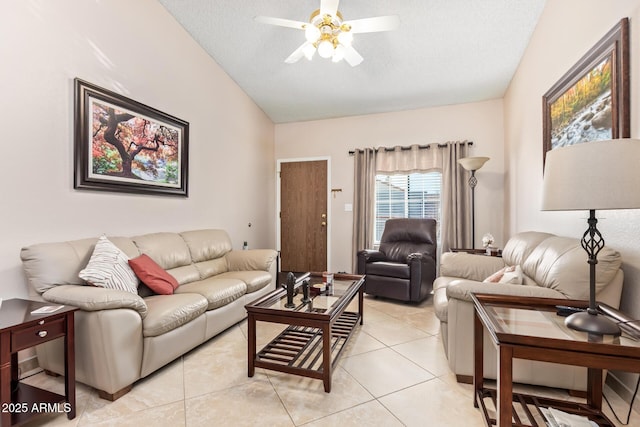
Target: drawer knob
<point>41,322</point>
<point>42,334</point>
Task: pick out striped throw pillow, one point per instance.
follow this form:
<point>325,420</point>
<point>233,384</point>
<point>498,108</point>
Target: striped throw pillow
<point>108,267</point>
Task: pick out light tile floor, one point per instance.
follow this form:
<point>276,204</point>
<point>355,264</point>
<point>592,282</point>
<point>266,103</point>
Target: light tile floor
<point>393,373</point>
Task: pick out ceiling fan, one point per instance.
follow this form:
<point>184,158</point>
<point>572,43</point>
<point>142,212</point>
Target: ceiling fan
<point>330,35</point>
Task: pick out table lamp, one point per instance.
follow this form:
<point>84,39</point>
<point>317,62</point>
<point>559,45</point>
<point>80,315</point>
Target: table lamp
<point>472,164</point>
<point>592,176</point>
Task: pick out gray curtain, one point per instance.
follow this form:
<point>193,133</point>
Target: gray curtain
<point>455,227</point>
<point>455,224</point>
<point>364,191</point>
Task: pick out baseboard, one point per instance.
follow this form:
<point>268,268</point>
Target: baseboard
<point>622,390</point>
<point>27,365</point>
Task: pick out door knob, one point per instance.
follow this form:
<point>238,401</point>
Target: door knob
<point>323,223</point>
<point>323,216</point>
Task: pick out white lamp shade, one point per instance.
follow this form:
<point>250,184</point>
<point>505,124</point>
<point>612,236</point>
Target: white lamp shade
<point>473,163</point>
<point>593,176</point>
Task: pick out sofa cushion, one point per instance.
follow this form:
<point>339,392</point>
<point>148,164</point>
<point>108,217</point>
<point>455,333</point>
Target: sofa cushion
<point>152,275</point>
<point>167,312</point>
<point>211,268</point>
<point>520,246</point>
<point>217,291</point>
<point>108,267</point>
<point>469,266</point>
<point>560,263</point>
<point>510,274</point>
<point>167,249</point>
<point>205,245</point>
<point>389,269</point>
<point>497,276</point>
<point>255,280</point>
<point>51,264</point>
<point>185,274</point>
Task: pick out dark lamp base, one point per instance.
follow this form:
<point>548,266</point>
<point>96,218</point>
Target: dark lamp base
<point>592,323</point>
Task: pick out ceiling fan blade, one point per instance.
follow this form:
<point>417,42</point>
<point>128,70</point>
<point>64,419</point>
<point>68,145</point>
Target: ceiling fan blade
<point>329,7</point>
<point>297,54</point>
<point>378,23</point>
<point>352,56</point>
<point>281,22</point>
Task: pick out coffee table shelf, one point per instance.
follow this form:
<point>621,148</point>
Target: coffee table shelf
<point>300,347</point>
<point>526,409</point>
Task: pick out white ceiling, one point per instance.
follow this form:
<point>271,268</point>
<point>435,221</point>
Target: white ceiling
<point>445,52</point>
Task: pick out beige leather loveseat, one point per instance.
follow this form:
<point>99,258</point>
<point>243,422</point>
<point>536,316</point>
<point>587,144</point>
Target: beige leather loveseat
<point>552,267</point>
<point>120,336</point>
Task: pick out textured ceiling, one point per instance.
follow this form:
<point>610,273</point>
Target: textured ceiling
<point>445,52</point>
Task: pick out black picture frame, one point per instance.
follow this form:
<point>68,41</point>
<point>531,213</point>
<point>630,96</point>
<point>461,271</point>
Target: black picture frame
<point>122,145</point>
<point>606,63</point>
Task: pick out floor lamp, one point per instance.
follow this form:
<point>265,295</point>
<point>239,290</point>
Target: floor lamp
<point>592,176</point>
<point>472,164</point>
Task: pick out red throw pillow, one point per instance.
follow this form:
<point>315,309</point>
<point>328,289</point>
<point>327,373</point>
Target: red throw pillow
<point>152,275</point>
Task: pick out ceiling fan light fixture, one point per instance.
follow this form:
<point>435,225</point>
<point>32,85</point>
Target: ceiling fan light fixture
<point>308,51</point>
<point>338,53</point>
<point>311,33</point>
<point>330,35</point>
<point>325,49</point>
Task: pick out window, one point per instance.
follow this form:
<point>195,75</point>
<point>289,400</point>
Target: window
<point>415,195</point>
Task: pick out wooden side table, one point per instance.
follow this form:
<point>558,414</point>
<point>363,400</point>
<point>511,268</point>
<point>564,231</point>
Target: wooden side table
<point>497,252</point>
<point>19,330</point>
<point>529,328</point>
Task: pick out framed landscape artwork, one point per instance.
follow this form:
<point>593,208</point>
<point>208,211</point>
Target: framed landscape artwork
<point>591,101</point>
<point>125,146</point>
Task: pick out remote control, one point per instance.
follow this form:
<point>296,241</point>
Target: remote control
<point>565,310</point>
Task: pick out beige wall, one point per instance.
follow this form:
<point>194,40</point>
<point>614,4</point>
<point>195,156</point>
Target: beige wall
<point>566,31</point>
<point>478,122</point>
<point>135,48</point>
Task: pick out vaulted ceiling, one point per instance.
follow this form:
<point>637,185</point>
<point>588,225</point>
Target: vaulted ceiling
<point>444,52</point>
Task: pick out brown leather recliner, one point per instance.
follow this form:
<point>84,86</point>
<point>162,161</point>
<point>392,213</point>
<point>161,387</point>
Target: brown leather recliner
<point>404,267</point>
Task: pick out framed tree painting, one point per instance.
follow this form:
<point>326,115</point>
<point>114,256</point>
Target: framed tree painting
<point>125,146</point>
<point>591,101</point>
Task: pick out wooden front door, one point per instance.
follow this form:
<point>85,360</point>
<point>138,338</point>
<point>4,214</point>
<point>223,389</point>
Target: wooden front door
<point>303,216</point>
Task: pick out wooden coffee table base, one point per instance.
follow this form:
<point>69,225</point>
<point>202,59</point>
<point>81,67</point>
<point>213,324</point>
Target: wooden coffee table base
<point>314,338</point>
<point>303,350</point>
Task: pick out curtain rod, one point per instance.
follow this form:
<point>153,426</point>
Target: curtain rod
<point>421,147</point>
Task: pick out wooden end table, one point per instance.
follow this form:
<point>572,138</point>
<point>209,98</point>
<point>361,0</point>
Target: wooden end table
<point>529,328</point>
<point>317,333</point>
<point>19,330</point>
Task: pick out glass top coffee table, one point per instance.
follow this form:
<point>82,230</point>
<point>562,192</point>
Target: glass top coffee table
<point>529,328</point>
<point>317,330</point>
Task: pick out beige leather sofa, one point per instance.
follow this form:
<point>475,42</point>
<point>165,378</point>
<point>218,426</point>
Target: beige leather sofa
<point>121,337</point>
<point>553,267</point>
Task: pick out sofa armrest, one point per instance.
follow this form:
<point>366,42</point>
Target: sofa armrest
<point>251,260</point>
<point>371,255</point>
<point>462,289</point>
<point>365,256</point>
<point>92,298</point>
<point>469,266</point>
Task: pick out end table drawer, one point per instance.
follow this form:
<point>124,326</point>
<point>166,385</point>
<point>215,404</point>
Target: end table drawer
<point>28,337</point>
